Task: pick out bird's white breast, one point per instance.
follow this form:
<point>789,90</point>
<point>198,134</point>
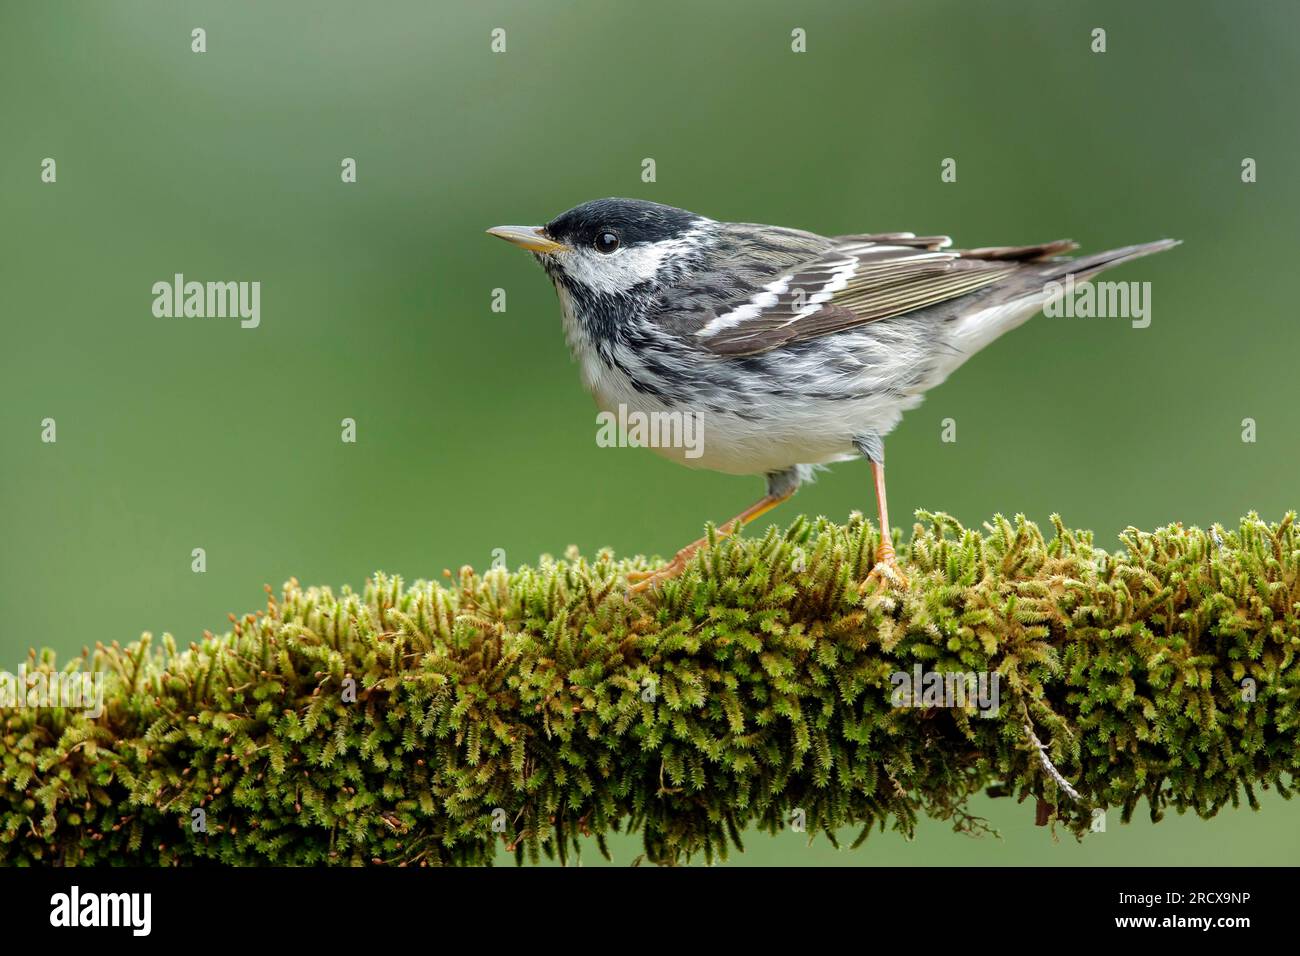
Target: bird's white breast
<point>762,435</point>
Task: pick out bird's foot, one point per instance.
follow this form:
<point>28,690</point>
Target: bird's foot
<point>639,581</point>
<point>886,573</point>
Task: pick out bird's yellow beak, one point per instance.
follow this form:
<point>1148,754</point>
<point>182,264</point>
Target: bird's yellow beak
<point>532,238</point>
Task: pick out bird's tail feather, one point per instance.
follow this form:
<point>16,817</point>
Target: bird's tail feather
<point>1006,307</point>
<point>1087,266</point>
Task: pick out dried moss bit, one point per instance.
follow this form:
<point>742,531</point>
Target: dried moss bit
<point>525,710</point>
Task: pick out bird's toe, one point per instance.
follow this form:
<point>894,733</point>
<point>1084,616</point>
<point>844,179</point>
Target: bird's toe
<point>886,573</point>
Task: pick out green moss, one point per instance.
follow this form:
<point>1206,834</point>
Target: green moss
<point>550,702</point>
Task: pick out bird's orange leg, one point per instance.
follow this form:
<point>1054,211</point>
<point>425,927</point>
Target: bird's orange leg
<point>640,580</point>
<point>884,553</point>
<point>886,560</point>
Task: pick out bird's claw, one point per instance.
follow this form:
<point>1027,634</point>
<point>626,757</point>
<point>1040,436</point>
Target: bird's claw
<point>640,581</point>
<point>886,573</point>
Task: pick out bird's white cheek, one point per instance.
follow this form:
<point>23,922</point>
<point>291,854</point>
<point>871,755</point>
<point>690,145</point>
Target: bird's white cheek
<point>621,271</point>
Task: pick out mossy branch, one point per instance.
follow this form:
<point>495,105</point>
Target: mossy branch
<point>533,707</point>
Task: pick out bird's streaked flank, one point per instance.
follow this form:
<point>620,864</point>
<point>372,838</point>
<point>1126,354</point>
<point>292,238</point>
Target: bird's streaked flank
<point>520,711</point>
<point>794,349</point>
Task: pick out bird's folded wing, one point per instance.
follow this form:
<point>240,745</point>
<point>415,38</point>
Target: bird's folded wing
<point>858,280</point>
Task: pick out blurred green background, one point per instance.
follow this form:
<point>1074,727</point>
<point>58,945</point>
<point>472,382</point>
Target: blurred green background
<point>474,432</point>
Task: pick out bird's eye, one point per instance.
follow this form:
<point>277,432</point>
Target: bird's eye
<point>606,242</point>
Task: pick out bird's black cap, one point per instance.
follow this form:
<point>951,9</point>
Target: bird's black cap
<point>634,221</point>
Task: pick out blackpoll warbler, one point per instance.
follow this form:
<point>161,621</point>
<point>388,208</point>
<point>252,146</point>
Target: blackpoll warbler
<point>792,349</point>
